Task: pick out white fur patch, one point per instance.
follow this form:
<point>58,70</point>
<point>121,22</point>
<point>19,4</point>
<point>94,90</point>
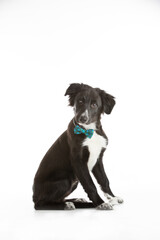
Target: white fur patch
<point>95,145</point>
<point>105,206</point>
<point>113,200</point>
<point>69,206</point>
<point>85,113</point>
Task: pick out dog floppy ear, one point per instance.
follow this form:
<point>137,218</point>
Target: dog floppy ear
<point>72,91</point>
<point>108,101</point>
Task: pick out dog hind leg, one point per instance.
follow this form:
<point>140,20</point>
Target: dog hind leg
<point>80,203</point>
<point>50,195</point>
<point>54,206</point>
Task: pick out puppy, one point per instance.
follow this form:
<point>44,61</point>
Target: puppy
<point>76,153</point>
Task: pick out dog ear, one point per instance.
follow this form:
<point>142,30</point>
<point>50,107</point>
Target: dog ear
<point>108,101</point>
<point>72,91</point>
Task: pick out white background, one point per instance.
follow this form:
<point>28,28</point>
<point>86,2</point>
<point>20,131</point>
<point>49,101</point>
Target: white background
<point>45,46</point>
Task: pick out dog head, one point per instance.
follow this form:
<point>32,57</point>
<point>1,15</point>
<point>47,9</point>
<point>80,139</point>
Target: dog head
<point>89,103</point>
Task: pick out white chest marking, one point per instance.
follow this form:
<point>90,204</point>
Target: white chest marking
<point>95,145</point>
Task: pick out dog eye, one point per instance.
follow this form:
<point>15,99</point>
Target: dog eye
<point>94,105</point>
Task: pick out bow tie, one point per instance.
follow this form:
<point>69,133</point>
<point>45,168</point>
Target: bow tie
<point>79,130</point>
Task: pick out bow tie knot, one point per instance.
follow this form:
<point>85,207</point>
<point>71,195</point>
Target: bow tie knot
<point>79,130</point>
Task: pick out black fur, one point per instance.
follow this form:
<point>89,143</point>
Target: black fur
<point>65,163</point>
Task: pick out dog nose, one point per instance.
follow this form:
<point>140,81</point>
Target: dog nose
<point>83,119</point>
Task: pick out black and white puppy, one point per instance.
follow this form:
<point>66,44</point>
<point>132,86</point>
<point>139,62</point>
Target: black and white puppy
<point>77,152</point>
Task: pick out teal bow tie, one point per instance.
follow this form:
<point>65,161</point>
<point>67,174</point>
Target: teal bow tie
<point>79,130</point>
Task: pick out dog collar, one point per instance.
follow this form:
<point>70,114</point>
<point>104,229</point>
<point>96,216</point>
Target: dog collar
<point>79,130</point>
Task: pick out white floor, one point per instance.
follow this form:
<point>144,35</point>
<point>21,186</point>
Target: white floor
<point>137,218</point>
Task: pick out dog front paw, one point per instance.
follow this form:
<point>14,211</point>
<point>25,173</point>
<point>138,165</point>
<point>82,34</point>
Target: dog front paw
<point>116,200</point>
<point>105,206</point>
<point>113,200</point>
<point>69,206</point>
